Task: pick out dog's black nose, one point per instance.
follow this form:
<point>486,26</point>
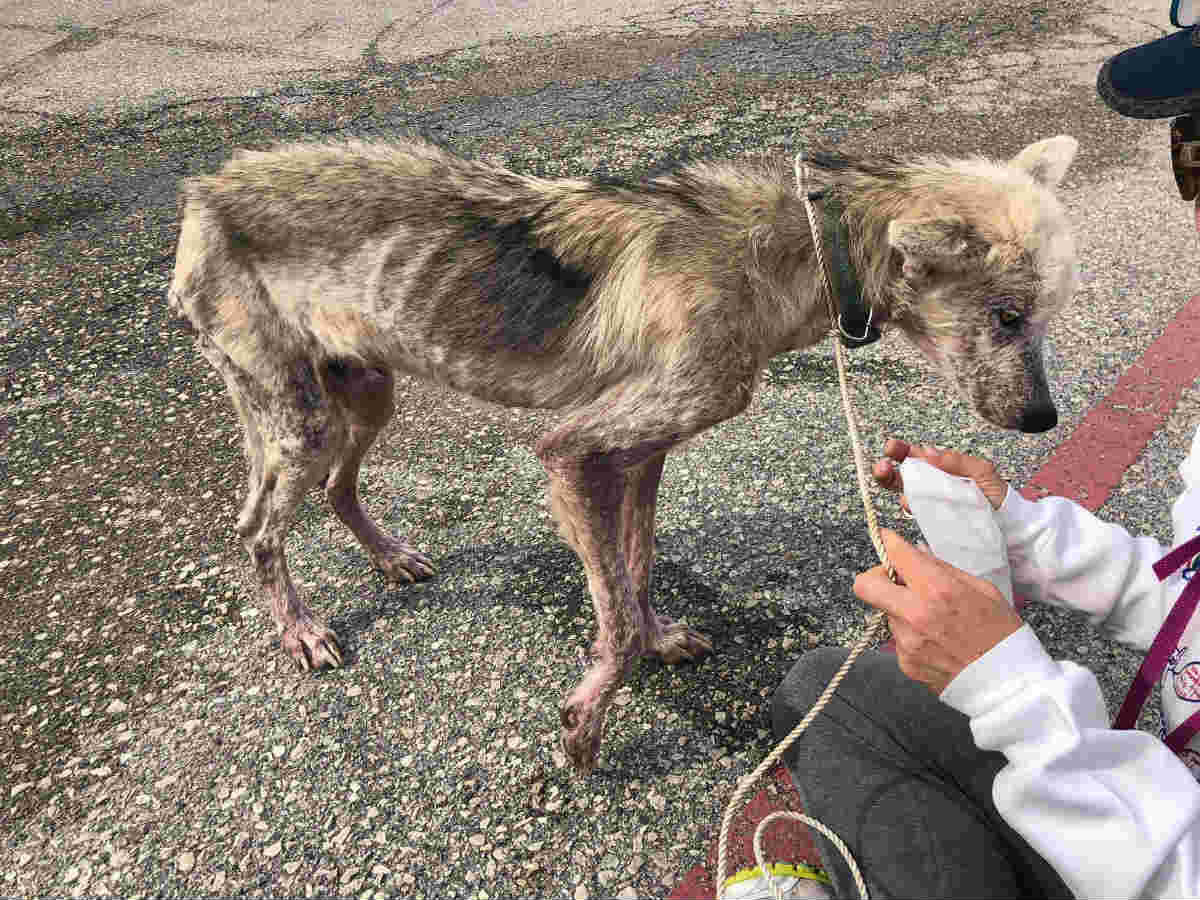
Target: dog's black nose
<point>1038,419</point>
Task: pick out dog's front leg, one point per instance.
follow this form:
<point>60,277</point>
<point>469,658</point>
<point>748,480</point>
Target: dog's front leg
<point>303,637</point>
<point>586,497</point>
<point>671,641</point>
<point>605,463</point>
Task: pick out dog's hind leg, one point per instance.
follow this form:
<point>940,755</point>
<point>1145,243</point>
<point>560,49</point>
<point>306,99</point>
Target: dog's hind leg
<point>301,434</point>
<point>291,435</point>
<point>366,395</point>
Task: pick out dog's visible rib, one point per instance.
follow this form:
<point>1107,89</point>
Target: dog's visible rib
<point>643,310</point>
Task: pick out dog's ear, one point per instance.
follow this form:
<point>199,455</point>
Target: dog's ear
<point>930,244</point>
<point>1047,161</point>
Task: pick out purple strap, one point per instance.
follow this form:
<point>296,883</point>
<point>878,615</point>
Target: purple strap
<point>1177,558</point>
<point>1164,645</point>
<point>1182,735</point>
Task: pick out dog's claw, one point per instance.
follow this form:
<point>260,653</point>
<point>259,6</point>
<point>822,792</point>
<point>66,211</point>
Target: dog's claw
<point>312,646</point>
<point>580,737</point>
<point>400,561</point>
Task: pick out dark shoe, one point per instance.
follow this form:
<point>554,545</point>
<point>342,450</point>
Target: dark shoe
<point>1156,80</point>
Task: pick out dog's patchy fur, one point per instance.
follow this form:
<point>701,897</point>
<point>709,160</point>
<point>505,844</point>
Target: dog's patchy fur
<point>644,311</point>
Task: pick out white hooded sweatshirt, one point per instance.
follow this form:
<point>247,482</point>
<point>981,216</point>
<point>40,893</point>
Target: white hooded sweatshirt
<point>1115,812</point>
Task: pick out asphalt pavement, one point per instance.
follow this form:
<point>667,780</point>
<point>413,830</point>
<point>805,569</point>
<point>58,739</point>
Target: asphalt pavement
<point>154,741</point>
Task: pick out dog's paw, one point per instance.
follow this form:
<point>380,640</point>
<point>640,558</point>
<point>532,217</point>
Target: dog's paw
<point>402,562</point>
<point>582,731</point>
<point>311,645</point>
<point>676,642</point>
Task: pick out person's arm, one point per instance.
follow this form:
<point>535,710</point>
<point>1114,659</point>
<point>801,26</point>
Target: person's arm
<point>1060,553</point>
<point>1115,812</point>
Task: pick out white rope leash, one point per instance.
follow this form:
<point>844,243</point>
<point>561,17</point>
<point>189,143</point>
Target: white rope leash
<point>876,624</point>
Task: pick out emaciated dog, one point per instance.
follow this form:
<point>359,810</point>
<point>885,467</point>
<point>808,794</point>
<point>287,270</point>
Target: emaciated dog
<point>645,311</point>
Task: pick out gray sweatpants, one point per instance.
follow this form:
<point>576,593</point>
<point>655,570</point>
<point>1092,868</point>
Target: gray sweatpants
<point>896,774</point>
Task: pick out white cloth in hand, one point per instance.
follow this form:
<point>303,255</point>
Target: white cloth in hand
<point>957,522</point>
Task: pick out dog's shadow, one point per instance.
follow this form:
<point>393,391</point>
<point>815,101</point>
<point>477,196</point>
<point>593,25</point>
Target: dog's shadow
<point>725,603</point>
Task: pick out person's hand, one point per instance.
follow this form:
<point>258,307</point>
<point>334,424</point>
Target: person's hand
<point>982,472</point>
<point>942,619</point>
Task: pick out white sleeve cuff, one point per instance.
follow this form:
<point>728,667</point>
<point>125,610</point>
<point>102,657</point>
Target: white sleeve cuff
<point>1006,669</point>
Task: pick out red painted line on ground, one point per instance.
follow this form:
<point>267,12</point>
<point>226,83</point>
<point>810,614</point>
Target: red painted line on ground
<point>784,841</point>
<point>1086,467</point>
<point>1093,460</point>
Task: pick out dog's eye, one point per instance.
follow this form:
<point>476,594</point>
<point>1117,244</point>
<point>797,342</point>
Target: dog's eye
<point>1009,318</point>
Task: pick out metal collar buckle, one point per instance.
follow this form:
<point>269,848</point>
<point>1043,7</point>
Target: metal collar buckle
<point>869,335</point>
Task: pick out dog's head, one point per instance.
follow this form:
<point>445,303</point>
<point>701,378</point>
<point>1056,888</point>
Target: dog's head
<point>982,258</point>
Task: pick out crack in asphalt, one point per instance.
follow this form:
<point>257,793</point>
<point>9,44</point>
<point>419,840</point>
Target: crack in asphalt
<point>80,38</point>
<point>803,52</point>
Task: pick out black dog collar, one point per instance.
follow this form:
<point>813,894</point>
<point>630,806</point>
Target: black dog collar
<point>854,315</point>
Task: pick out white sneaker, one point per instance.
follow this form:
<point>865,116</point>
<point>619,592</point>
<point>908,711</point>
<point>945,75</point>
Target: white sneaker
<point>788,881</point>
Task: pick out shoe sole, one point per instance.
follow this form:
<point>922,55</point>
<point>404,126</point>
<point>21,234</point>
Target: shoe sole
<point>1143,109</point>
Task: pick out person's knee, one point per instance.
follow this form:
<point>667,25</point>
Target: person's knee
<point>802,686</point>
